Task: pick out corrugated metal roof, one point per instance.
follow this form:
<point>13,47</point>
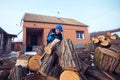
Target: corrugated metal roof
<point>51,19</point>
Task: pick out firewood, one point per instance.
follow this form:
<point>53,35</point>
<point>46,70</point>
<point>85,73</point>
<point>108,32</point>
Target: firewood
<point>95,40</point>
<point>106,59</point>
<point>17,73</point>
<point>115,48</point>
<point>33,63</point>
<point>23,60</point>
<point>4,74</point>
<point>114,37</point>
<point>46,64</point>
<point>105,43</point>
<point>101,37</point>
<point>108,75</point>
<point>49,48</point>
<point>69,75</point>
<point>96,73</point>
<point>67,58</point>
<point>117,69</point>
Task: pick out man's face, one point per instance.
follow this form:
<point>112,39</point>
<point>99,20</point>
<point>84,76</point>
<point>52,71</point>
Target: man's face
<point>57,31</point>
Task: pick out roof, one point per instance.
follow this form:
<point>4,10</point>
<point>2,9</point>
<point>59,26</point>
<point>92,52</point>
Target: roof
<point>51,19</point>
<point>10,35</point>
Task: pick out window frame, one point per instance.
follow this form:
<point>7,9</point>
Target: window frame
<point>80,35</point>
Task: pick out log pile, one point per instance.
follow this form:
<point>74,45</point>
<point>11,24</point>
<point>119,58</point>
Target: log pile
<point>66,63</point>
<point>107,53</point>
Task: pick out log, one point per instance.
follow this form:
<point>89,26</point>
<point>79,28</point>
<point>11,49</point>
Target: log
<point>96,73</point>
<point>46,64</point>
<point>105,59</point>
<point>51,46</point>
<point>17,73</point>
<point>108,75</point>
<point>101,37</point>
<point>95,40</point>
<point>40,50</point>
<point>55,72</point>
<point>115,48</point>
<point>67,58</point>
<point>117,69</point>
<point>69,75</point>
<point>114,37</point>
<point>105,43</point>
<point>33,63</point>
<point>4,74</point>
<point>23,60</point>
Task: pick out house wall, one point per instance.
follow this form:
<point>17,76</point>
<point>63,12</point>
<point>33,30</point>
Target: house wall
<point>69,31</point>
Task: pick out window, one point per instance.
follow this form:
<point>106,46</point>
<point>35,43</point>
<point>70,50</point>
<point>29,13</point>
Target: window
<point>80,34</point>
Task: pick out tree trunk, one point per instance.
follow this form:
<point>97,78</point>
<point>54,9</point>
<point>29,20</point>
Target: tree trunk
<point>23,60</point>
<point>69,75</point>
<point>96,73</point>
<point>46,64</point>
<point>33,63</point>
<point>17,73</point>
<point>67,58</point>
<point>106,59</point>
<point>4,74</point>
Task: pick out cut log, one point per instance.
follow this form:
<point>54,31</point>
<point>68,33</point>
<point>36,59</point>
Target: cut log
<point>108,75</point>
<point>95,40</point>
<point>67,58</point>
<point>115,48</point>
<point>17,73</point>
<point>117,69</point>
<point>69,75</point>
<point>55,72</point>
<point>106,59</point>
<point>96,73</point>
<point>46,64</point>
<point>4,74</point>
<point>105,43</point>
<point>51,46</point>
<point>23,60</point>
<point>114,37</point>
<point>40,50</point>
<point>33,63</point>
<point>101,37</point>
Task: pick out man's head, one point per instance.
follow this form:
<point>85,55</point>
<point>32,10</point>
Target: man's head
<point>58,29</point>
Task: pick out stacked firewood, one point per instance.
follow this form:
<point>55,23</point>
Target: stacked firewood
<point>64,63</point>
<point>107,53</point>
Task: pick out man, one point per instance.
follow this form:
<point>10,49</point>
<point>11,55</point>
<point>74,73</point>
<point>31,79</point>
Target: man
<point>55,33</point>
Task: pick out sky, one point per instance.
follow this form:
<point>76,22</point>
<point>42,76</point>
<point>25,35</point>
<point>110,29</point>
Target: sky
<point>99,15</point>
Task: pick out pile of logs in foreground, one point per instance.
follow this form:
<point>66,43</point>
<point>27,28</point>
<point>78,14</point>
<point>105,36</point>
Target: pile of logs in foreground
<point>65,63</point>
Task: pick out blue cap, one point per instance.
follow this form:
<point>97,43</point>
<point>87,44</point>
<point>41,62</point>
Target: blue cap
<point>59,27</point>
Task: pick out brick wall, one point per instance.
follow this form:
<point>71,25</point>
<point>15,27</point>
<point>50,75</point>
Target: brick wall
<point>69,31</point>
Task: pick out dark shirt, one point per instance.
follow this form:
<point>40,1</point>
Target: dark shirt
<point>52,35</point>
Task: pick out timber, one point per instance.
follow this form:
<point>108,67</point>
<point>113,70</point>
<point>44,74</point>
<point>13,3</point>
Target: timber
<point>46,64</point>
<point>106,59</point>
<point>69,75</point>
<point>23,60</point>
<point>17,73</point>
<point>33,63</point>
<point>68,59</point>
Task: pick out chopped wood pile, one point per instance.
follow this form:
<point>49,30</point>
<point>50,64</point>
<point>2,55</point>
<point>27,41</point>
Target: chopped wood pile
<point>66,63</point>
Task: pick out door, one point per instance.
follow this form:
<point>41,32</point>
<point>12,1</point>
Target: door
<point>34,40</point>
